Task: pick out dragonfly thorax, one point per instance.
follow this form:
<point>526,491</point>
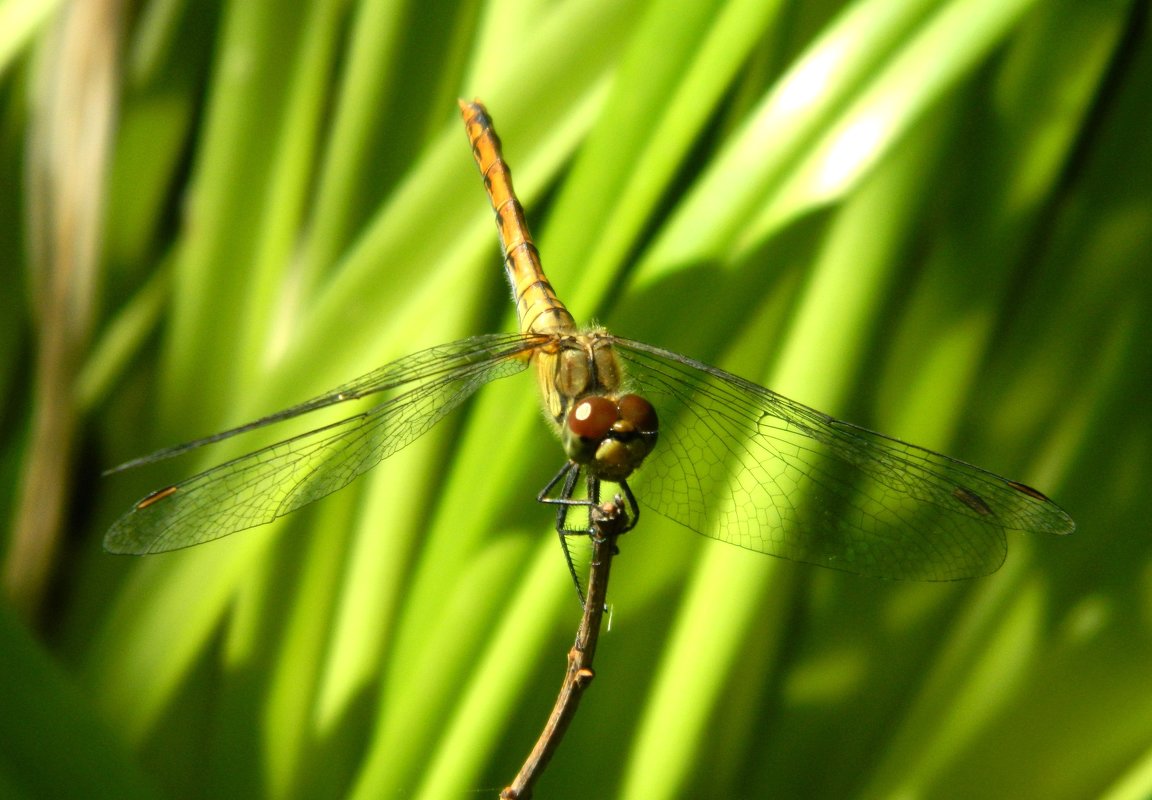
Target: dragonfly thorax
<point>611,437</point>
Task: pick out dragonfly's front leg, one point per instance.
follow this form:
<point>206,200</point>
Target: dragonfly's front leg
<point>561,491</point>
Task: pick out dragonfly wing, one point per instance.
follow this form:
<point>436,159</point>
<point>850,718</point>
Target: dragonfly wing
<point>740,463</point>
<point>417,392</point>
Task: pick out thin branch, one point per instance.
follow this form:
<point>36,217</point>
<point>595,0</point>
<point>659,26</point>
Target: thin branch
<point>609,521</point>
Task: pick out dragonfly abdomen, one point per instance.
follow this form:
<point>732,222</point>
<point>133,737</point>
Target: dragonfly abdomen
<point>537,306</point>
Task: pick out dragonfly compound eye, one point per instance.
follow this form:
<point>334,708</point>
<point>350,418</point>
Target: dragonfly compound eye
<point>592,418</point>
<point>637,411</point>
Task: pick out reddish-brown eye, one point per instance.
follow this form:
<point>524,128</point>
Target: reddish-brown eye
<point>638,411</point>
<point>592,418</point>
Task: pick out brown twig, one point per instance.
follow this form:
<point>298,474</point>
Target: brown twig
<point>608,522</point>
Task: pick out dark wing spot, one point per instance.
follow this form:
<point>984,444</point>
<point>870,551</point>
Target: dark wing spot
<point>972,500</point>
<point>156,497</point>
<point>1028,490</point>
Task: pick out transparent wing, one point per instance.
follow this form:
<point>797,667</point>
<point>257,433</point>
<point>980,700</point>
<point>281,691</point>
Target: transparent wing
<point>259,487</point>
<point>742,464</point>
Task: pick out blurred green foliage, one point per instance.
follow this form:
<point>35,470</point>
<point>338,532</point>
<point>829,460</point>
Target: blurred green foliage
<point>928,217</point>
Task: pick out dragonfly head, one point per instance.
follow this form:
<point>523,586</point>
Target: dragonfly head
<point>610,436</point>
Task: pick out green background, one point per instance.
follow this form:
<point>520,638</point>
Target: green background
<point>931,218</point>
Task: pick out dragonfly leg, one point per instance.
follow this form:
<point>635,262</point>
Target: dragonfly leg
<point>561,491</point>
<point>570,473</point>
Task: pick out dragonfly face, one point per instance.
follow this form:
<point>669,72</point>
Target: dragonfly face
<point>610,436</point>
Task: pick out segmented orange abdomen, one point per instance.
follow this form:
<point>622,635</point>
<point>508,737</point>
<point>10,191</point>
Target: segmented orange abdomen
<point>537,306</point>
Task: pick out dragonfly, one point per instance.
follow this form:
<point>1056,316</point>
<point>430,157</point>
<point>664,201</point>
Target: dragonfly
<point>718,454</point>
